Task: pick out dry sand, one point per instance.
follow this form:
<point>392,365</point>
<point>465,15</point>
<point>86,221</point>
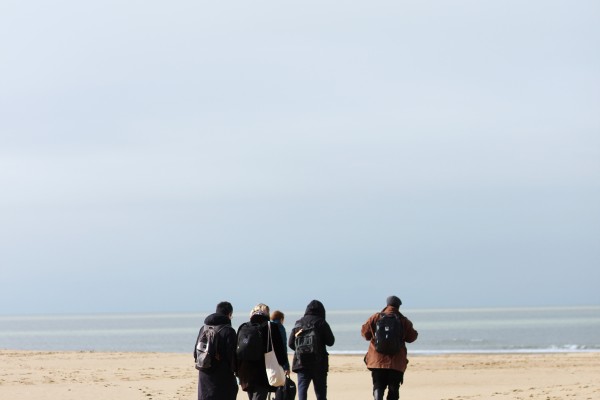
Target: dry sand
<point>27,375</point>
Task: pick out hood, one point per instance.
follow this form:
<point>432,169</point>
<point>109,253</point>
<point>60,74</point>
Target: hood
<point>315,307</point>
<point>259,319</point>
<point>217,319</point>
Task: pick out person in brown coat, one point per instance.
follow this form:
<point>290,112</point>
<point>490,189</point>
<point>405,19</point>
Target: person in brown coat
<point>387,370</point>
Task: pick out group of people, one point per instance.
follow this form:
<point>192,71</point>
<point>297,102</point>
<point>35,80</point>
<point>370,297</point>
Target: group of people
<point>221,380</point>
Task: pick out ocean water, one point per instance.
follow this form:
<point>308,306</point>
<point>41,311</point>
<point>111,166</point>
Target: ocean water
<point>564,329</point>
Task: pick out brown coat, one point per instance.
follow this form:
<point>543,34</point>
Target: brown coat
<point>374,359</point>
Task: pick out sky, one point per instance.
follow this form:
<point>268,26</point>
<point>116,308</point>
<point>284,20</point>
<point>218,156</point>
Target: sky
<point>164,156</point>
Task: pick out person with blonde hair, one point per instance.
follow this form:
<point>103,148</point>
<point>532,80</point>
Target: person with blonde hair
<point>252,339</point>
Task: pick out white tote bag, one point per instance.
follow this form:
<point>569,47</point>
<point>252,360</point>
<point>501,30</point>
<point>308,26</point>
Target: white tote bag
<point>275,372</point>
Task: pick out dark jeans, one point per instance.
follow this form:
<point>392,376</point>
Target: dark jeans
<point>319,380</point>
<point>386,378</point>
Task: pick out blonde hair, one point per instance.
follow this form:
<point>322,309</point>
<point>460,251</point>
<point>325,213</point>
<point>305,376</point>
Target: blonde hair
<point>260,309</point>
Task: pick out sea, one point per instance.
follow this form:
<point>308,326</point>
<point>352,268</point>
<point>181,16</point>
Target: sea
<point>441,331</point>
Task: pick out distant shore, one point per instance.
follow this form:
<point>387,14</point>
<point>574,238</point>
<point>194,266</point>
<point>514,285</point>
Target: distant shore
<point>29,375</point>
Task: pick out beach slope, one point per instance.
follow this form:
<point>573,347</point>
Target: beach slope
<point>29,375</point>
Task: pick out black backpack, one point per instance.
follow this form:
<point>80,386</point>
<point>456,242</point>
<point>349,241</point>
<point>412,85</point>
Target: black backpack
<point>307,343</point>
<point>206,347</point>
<point>249,342</point>
<point>389,334</point>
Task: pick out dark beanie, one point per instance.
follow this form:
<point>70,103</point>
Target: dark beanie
<point>394,301</point>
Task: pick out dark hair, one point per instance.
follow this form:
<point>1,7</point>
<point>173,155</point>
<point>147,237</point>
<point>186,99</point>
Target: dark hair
<point>224,308</point>
<point>277,315</point>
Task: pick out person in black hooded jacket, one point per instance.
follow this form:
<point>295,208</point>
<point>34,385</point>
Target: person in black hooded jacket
<point>219,382</point>
<point>312,367</point>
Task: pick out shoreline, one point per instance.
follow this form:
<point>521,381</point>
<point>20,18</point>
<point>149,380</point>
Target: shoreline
<point>342,353</point>
<point>468,331</point>
<point>83,375</point>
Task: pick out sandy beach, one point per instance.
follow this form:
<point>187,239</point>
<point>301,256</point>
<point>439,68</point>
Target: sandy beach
<point>28,375</point>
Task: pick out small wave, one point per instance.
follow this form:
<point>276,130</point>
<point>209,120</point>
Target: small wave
<point>576,349</point>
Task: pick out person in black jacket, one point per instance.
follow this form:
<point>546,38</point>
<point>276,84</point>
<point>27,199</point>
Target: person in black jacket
<point>312,367</point>
<point>219,382</point>
<point>277,318</point>
<point>252,373</point>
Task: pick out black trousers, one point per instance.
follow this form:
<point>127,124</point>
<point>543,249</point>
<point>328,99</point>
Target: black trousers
<point>389,379</point>
<point>258,393</point>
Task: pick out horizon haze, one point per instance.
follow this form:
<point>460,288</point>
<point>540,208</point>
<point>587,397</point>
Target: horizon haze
<point>164,157</point>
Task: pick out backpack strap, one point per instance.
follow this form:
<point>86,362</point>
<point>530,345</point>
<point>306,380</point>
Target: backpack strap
<point>219,328</point>
<point>269,337</point>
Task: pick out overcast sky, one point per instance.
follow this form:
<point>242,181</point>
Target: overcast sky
<point>164,156</point>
